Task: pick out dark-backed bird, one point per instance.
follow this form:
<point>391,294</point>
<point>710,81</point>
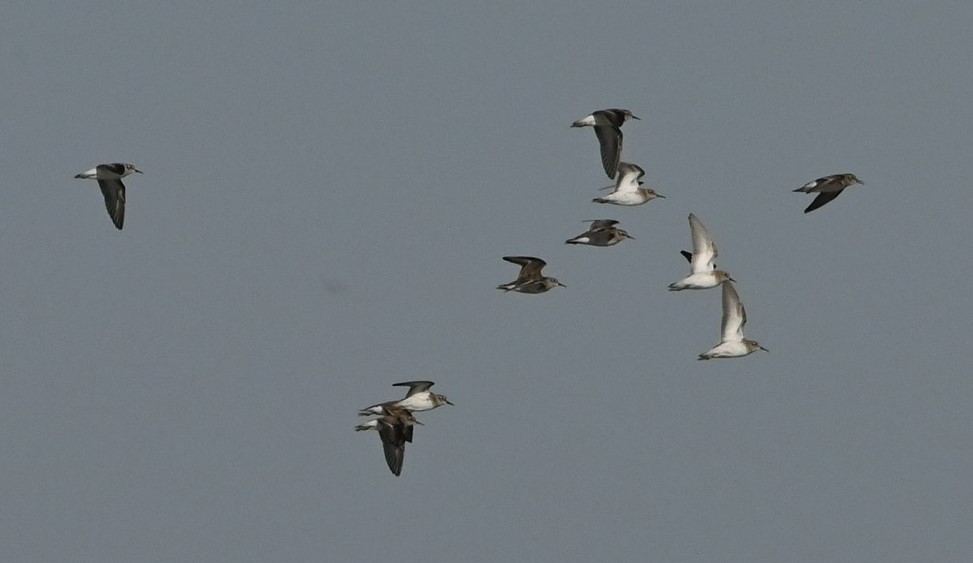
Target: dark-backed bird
<point>530,279</point>
<point>827,188</point>
<point>109,178</point>
<point>602,232</point>
<point>394,429</point>
<point>607,124</point>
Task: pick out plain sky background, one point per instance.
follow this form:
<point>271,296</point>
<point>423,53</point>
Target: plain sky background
<point>328,191</point>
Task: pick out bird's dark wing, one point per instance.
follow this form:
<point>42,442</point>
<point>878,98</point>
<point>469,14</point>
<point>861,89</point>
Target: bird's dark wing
<point>114,192</point>
<point>822,199</point>
<point>610,141</point>
<point>393,444</point>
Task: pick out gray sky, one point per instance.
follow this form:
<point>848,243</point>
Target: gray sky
<point>327,195</point>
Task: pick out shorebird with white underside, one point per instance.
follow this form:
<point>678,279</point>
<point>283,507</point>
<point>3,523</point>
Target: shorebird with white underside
<point>702,262</point>
<point>628,187</point>
<point>732,343</point>
<point>417,399</point>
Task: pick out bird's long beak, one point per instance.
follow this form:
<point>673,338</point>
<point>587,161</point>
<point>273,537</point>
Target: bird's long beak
<point>636,117</point>
<point>660,195</point>
<point>762,348</point>
<point>448,402</point>
<point>860,182</point>
<point>731,279</point>
<point>137,170</point>
<point>561,284</point>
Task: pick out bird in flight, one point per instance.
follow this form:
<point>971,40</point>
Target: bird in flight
<point>607,124</point>
<point>827,188</point>
<point>109,178</point>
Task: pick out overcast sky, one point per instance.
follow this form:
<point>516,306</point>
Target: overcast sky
<point>327,196</point>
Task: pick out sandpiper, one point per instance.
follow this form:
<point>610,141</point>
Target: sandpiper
<point>607,124</point>
<point>628,187</point>
<point>417,399</point>
<point>702,262</point>
<point>530,279</point>
<point>602,232</point>
<point>395,429</point>
<point>732,343</point>
<point>109,178</point>
<point>827,188</point>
